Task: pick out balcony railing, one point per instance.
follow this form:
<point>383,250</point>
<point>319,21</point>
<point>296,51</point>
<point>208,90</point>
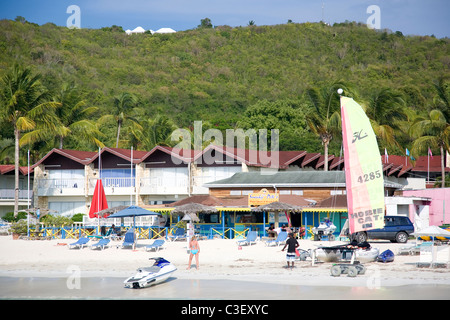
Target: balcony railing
<point>9,194</point>
<point>114,182</point>
<point>61,183</point>
<point>158,185</point>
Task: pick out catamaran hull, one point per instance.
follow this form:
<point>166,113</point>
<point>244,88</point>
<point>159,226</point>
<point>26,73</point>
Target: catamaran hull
<point>339,254</point>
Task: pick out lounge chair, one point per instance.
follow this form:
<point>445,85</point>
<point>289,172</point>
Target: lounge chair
<point>282,236</point>
<point>101,244</point>
<point>426,254</point>
<point>79,244</point>
<point>409,248</point>
<point>129,240</point>
<point>179,234</point>
<point>442,256</point>
<point>156,245</point>
<point>251,239</point>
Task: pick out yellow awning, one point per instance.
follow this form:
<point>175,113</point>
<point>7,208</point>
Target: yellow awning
<point>324,210</point>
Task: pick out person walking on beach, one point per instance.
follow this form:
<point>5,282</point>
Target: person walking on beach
<point>291,244</point>
<point>194,251</point>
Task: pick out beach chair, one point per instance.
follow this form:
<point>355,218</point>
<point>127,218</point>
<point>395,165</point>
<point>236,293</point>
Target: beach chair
<point>442,256</point>
<point>251,239</point>
<point>179,234</point>
<point>129,240</point>
<point>410,249</point>
<point>101,244</point>
<point>282,236</point>
<point>156,245</point>
<point>79,244</point>
<point>426,254</point>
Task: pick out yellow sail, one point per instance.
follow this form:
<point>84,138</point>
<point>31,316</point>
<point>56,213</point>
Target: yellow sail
<point>363,169</point>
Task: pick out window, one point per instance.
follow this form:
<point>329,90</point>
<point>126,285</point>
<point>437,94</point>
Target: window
<point>67,208</point>
<point>118,177</point>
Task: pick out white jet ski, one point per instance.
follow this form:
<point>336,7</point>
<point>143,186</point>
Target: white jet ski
<point>148,276</point>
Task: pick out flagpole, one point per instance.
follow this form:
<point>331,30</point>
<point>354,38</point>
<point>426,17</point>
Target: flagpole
<point>28,194</point>
<point>131,177</point>
<point>98,193</point>
<point>428,166</point>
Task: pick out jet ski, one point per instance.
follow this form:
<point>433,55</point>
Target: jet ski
<point>148,276</point>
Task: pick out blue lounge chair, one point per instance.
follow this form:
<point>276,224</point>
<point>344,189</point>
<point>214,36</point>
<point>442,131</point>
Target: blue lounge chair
<point>251,239</point>
<point>101,244</point>
<point>282,236</point>
<point>179,234</point>
<point>157,244</point>
<point>129,240</point>
<point>79,244</point>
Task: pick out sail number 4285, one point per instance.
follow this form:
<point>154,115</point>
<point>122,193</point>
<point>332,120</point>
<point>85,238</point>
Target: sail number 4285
<point>369,176</point>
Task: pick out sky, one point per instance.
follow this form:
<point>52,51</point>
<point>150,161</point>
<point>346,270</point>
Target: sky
<point>411,17</point>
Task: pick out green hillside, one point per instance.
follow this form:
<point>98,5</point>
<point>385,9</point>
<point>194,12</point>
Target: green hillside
<point>217,74</point>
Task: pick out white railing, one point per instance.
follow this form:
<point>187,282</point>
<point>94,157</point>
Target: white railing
<point>9,194</point>
<point>61,183</point>
<point>114,182</point>
<point>159,185</point>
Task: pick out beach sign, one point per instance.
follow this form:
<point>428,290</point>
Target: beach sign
<point>262,197</point>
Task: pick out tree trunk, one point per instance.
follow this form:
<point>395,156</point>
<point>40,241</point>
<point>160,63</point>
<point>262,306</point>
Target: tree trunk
<point>118,134</point>
<point>325,140</point>
<point>16,171</point>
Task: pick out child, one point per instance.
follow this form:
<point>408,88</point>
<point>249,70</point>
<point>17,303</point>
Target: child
<point>292,244</point>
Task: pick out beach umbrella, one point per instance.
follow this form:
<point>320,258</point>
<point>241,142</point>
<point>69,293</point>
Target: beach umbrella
<point>277,207</point>
<point>98,202</point>
<point>432,231</point>
<point>193,208</point>
<point>133,211</point>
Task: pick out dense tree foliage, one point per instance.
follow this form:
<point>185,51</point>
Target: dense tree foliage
<point>254,76</point>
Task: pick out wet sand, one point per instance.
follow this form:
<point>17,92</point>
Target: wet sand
<point>200,289</point>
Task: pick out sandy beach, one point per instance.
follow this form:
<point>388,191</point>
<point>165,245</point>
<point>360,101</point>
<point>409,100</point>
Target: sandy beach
<point>220,259</point>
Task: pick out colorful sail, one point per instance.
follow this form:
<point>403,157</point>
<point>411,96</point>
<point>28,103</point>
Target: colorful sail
<point>363,169</point>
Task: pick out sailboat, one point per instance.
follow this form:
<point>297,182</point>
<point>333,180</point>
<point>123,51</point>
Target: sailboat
<point>363,175</point>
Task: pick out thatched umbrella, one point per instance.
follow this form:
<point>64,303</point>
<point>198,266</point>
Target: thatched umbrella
<point>191,209</point>
<point>277,207</point>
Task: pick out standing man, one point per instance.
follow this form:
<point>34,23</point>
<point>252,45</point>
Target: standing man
<point>291,244</point>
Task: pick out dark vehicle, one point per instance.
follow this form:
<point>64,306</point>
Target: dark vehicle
<point>396,229</point>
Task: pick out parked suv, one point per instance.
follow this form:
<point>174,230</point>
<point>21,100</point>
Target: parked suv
<point>396,229</point>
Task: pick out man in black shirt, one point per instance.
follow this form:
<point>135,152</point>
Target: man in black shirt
<point>291,244</point>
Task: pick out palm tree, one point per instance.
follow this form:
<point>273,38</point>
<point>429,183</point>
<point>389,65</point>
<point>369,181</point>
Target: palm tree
<point>324,115</point>
<point>124,105</point>
<point>385,109</point>
<point>154,132</point>
<point>442,98</point>
<point>74,115</point>
<point>432,131</point>
<point>25,106</point>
